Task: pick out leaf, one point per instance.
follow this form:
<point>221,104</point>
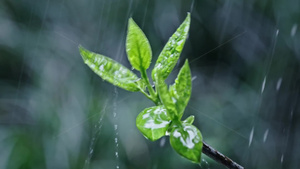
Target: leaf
<point>137,47</point>
<point>189,120</point>
<point>111,70</point>
<point>153,122</point>
<point>182,89</point>
<point>186,140</point>
<point>171,52</point>
<point>165,96</point>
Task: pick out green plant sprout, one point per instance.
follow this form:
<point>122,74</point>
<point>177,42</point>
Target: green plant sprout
<point>163,119</point>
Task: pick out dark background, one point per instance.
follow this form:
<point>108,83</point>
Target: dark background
<point>55,113</point>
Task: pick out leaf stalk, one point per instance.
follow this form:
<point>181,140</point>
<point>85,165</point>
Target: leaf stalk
<point>153,94</point>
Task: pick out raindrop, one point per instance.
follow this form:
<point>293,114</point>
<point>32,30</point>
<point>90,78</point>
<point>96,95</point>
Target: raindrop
<point>263,85</point>
<point>96,133</point>
<point>266,135</point>
<point>282,157</point>
<point>251,136</point>
<point>294,30</point>
<point>204,164</point>
<point>192,6</point>
<point>116,126</point>
<point>162,142</point>
<point>278,84</point>
<point>277,32</point>
<point>193,78</point>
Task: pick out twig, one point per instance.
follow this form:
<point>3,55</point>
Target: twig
<point>219,157</point>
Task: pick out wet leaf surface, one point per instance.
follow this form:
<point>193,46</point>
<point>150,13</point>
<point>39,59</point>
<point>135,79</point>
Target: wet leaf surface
<point>182,89</point>
<point>153,122</point>
<point>172,50</point>
<point>111,70</point>
<point>186,140</point>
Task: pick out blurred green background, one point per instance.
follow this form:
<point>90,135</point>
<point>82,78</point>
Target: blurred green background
<point>55,113</point>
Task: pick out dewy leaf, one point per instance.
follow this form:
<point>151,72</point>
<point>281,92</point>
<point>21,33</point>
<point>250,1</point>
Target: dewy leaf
<point>189,120</point>
<point>111,70</point>
<point>186,140</point>
<point>182,89</point>
<point>165,96</point>
<point>153,122</point>
<point>137,47</point>
<point>171,52</point>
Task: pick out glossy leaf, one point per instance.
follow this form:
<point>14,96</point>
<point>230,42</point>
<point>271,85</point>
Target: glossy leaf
<point>137,47</point>
<point>111,70</point>
<point>189,120</point>
<point>171,52</point>
<point>186,140</point>
<point>165,96</point>
<point>182,89</point>
<point>153,122</point>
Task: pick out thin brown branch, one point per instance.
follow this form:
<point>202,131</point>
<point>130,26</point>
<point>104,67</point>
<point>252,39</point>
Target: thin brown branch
<point>219,157</point>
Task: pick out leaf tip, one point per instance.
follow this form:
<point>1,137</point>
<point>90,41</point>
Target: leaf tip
<point>83,52</point>
<point>189,120</point>
<point>80,48</point>
<point>188,16</point>
<point>131,22</point>
<point>186,61</point>
<point>186,64</point>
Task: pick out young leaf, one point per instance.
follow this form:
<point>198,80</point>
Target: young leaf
<point>153,122</point>
<point>189,120</point>
<point>137,47</point>
<point>165,96</point>
<point>182,89</point>
<point>186,140</point>
<point>111,70</point>
<point>171,52</point>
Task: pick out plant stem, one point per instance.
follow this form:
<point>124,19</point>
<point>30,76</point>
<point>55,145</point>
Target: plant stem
<point>153,95</point>
<point>146,94</point>
<point>219,157</point>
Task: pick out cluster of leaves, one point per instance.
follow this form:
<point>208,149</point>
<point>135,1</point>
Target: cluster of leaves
<point>164,119</point>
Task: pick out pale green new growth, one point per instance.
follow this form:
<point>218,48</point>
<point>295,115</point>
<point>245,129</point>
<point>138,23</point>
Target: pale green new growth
<point>137,47</point>
<point>154,122</point>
